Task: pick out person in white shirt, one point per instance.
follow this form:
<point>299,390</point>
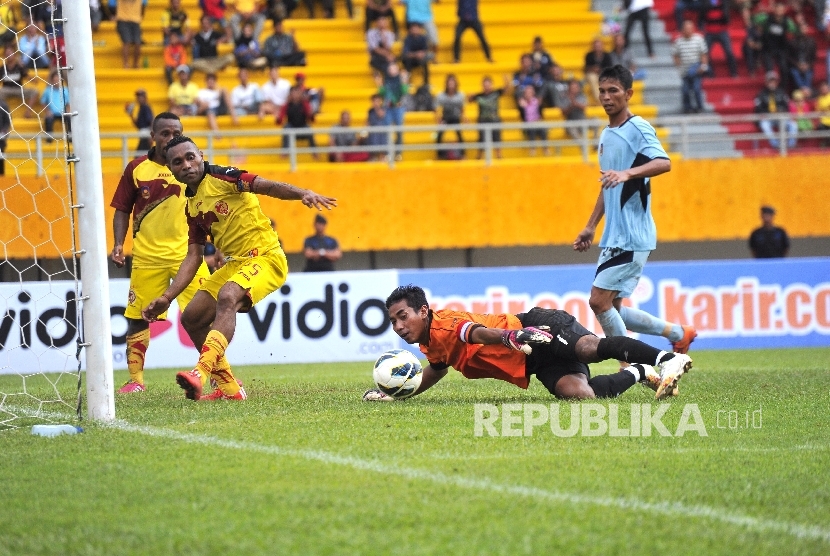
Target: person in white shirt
<point>214,101</point>
<point>245,97</point>
<point>274,93</point>
<point>640,10</point>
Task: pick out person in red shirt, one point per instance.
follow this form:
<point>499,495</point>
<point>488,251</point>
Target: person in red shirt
<point>547,343</point>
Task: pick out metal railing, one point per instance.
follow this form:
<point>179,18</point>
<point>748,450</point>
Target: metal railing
<point>581,134</point>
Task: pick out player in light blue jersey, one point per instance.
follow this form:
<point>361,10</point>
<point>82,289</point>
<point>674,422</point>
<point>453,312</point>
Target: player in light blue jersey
<point>629,155</point>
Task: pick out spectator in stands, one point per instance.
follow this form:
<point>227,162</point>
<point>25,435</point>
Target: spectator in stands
<point>716,25</point>
<point>245,97</point>
<point>182,94</point>
<point>246,11</point>
<point>55,100</point>
<point>530,110</point>
<point>468,19</point>
<point>206,42</point>
<point>214,101</point>
<point>778,28</point>
<point>800,106</point>
<point>377,9</point>
<point>640,10</point>
<point>823,106</point>
<point>321,251</point>
<point>769,241</point>
<point>274,93</point>
<point>174,22</point>
<point>488,110</point>
<point>328,8</point>
<point>771,100</point>
<point>13,77</point>
<point>380,41</point>
<point>416,52</point>
<point>573,107</point>
<point>346,138</point>
<point>449,105</point>
<point>376,117</point>
<point>215,10</point>
<point>297,115</point>
<point>394,88</point>
<point>95,14</point>
<point>555,88</point>
<point>527,76</point>
<point>691,56</point>
<point>281,48</point>
<point>542,60</point>
<point>697,8</point>
<point>314,95</point>
<point>246,49</point>
<point>175,55</point>
<point>753,47</point>
<point>420,11</point>
<point>5,128</point>
<point>802,59</point>
<point>142,120</point>
<point>128,23</point>
<point>32,45</point>
<point>8,24</point>
<point>621,56</point>
<point>596,60</point>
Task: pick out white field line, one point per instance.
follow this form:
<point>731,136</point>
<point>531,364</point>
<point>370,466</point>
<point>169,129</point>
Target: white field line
<point>807,532</point>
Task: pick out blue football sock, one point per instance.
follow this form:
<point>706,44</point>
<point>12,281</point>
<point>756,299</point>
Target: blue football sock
<point>611,322</point>
<point>645,323</point>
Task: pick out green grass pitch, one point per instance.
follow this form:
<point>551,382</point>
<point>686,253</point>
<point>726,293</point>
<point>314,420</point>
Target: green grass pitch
<point>305,467</point>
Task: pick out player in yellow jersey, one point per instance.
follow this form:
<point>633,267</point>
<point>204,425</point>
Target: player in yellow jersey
<point>221,202</point>
<point>149,193</point>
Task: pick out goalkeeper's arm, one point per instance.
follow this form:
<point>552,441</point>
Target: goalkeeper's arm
<point>520,340</point>
<point>430,377</point>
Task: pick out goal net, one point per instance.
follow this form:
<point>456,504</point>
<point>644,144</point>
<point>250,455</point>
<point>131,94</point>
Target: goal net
<point>48,218</point>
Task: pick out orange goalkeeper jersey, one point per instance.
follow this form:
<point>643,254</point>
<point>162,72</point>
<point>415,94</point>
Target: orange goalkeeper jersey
<point>448,331</point>
<point>150,192</point>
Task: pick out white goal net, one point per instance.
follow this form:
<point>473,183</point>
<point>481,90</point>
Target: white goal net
<point>44,201</point>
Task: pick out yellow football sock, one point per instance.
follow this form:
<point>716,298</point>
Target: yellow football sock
<point>224,378</point>
<point>212,351</point>
<point>136,349</point>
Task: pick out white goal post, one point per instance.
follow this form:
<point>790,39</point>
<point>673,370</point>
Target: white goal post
<point>96,334</point>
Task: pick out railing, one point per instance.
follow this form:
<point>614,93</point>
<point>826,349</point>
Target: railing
<point>587,130</point>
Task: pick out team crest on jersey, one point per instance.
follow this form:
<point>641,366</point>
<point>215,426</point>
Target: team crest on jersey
<point>221,208</point>
<point>253,253</point>
<point>131,296</point>
<point>600,149</point>
<point>145,191</point>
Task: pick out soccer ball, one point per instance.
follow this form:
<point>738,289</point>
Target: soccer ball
<point>397,373</point>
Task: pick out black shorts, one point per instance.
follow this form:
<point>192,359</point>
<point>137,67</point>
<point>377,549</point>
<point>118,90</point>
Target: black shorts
<point>550,362</point>
<point>129,31</point>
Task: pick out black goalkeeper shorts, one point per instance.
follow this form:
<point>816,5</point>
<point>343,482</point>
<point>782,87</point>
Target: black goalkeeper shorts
<point>550,362</point>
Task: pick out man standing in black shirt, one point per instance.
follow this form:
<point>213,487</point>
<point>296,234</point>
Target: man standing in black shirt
<point>320,250</point>
<point>769,241</point>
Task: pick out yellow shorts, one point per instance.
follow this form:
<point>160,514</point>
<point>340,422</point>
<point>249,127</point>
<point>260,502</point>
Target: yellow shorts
<point>260,276</point>
<point>146,284</point>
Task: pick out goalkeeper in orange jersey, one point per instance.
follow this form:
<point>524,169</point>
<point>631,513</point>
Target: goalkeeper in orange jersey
<point>547,343</point>
<point>222,203</point>
<point>148,192</point>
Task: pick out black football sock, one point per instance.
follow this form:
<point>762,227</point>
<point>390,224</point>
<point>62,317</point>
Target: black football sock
<point>628,349</point>
<point>611,386</point>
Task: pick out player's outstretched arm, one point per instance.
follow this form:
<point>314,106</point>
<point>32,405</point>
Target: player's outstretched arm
<point>585,238</point>
<point>288,192</point>
<point>520,340</point>
<point>120,223</point>
<point>185,275</point>
<point>429,378</point>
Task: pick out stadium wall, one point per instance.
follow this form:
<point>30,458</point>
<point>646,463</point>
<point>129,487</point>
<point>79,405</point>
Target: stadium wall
<point>467,205</point>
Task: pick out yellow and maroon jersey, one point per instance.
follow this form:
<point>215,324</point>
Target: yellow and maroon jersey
<point>150,192</point>
<point>448,335</point>
<point>224,208</point>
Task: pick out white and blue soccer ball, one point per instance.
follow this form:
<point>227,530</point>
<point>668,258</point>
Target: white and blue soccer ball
<point>397,373</point>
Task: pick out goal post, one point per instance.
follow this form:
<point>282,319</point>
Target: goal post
<point>96,335</point>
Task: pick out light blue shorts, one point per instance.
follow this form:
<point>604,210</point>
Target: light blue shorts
<point>619,270</point>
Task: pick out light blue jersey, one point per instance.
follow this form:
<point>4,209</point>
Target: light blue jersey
<point>628,222</point>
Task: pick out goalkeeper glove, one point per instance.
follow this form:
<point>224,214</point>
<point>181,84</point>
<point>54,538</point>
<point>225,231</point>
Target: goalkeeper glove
<point>375,395</point>
<point>520,340</point>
